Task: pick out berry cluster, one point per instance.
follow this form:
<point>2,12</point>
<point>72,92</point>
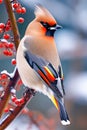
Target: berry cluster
<point>4,80</point>
<point>7,47</point>
<point>5,27</point>
<point>7,42</point>
<point>17,7</point>
<point>17,101</point>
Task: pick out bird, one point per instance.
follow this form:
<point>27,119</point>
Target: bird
<point>38,61</point>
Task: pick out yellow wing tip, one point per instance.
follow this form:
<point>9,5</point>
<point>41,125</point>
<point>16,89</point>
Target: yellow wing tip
<point>49,74</point>
<point>55,102</point>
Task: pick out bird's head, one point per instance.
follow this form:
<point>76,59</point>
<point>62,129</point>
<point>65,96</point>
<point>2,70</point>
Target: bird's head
<point>44,23</point>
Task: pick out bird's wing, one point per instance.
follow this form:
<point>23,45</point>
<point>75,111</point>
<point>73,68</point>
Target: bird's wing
<point>45,71</point>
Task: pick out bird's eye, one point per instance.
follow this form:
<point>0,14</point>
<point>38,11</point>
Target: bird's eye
<point>45,24</point>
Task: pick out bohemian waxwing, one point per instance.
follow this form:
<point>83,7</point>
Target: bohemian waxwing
<point>38,61</point>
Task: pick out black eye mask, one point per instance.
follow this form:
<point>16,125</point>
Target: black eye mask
<point>49,32</point>
<point>46,25</point>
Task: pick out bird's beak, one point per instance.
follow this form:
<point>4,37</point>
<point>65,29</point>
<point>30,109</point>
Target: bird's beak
<point>54,28</point>
<point>58,27</point>
<point>54,101</point>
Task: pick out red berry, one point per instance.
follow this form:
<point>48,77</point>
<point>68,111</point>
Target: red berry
<point>21,101</point>
<point>6,36</point>
<point>19,10</point>
<point>13,62</point>
<point>2,25</point>
<point>3,76</point>
<point>23,10</point>
<point>11,45</point>
<point>1,45</point>
<point>10,53</point>
<point>20,20</point>
<point>7,53</point>
<point>7,28</point>
<point>16,5</point>
<point>17,102</point>
<point>14,99</point>
<point>6,109</point>
<point>1,1</point>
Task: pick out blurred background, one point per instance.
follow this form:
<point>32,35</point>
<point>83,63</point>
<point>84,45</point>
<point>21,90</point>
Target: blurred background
<point>72,47</point>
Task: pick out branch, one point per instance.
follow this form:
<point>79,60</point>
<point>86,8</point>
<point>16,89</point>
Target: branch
<point>9,118</point>
<point>5,98</point>
<point>13,23</point>
<point>13,80</point>
<point>15,31</point>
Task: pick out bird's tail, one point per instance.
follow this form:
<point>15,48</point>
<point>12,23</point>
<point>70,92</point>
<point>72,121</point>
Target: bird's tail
<point>63,114</point>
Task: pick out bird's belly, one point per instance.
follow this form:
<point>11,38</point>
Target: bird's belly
<point>28,75</point>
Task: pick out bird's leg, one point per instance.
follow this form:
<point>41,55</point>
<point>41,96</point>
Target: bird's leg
<point>29,91</point>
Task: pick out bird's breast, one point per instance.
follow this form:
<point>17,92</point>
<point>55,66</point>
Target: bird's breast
<point>46,48</point>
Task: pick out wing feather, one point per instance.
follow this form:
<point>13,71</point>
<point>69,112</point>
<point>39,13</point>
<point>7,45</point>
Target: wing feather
<point>45,71</point>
